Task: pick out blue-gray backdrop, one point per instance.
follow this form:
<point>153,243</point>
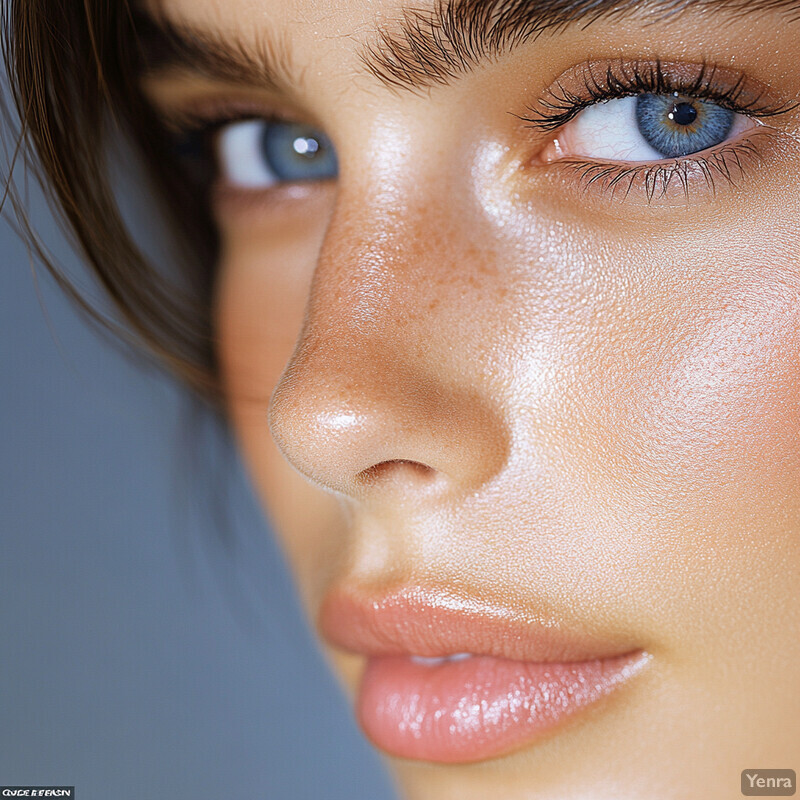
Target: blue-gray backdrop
<point>148,648</point>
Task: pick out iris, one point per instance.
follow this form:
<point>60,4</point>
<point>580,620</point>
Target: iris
<point>678,126</point>
<point>296,152</point>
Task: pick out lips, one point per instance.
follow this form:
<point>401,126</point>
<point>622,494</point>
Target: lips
<point>452,679</point>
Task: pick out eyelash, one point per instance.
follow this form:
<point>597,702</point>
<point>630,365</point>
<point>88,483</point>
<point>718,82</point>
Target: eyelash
<point>562,105</point>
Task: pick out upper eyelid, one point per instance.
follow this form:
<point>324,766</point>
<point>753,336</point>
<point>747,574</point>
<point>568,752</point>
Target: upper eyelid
<point>595,81</point>
<point>204,112</point>
<point>183,102</point>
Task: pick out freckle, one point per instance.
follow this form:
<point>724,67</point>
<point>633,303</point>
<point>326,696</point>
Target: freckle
<point>487,262</point>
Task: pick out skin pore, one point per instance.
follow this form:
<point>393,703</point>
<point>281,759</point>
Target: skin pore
<point>465,367</point>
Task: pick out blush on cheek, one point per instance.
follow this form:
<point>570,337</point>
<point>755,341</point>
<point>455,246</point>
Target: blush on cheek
<point>725,413</point>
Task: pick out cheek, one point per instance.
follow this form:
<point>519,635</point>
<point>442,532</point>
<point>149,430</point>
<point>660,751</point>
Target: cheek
<point>269,249</point>
<point>664,436</point>
<point>729,398</point>
<point>261,296</point>
<point>260,301</point>
<point>694,449</point>
<point>716,398</point>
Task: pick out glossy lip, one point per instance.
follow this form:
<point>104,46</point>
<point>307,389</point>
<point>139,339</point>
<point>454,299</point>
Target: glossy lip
<point>435,623</point>
<point>526,675</point>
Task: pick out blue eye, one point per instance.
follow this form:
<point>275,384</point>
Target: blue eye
<point>256,153</point>
<point>650,127</point>
<point>678,126</point>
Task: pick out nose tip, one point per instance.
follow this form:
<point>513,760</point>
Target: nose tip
<point>380,397</point>
<point>368,426</point>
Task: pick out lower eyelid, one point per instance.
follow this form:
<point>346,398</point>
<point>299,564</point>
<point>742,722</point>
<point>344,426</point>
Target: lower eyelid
<point>278,207</point>
<point>701,177</point>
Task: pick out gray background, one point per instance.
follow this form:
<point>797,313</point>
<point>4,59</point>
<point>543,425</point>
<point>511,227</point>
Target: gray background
<point>147,648</point>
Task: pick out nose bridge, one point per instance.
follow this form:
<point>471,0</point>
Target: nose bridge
<point>373,396</point>
<point>358,272</point>
<point>374,269</point>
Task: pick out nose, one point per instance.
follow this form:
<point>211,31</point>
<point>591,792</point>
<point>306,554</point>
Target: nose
<point>378,397</point>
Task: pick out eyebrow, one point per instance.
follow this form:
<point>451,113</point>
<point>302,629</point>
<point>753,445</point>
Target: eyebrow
<point>424,48</point>
<point>164,46</point>
<point>436,45</point>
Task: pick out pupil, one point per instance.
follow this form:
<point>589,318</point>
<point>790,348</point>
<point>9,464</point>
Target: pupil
<point>683,114</point>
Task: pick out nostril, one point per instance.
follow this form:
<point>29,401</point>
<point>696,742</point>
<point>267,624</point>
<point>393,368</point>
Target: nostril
<point>397,469</point>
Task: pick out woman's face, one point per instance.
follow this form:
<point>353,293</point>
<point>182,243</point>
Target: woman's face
<point>510,335</point>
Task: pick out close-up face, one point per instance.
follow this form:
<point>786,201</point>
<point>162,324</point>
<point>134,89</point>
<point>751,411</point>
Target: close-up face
<point>508,321</point>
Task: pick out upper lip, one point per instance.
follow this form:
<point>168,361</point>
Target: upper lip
<point>434,623</point>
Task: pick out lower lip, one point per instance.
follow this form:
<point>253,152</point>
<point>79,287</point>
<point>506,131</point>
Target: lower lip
<point>479,707</point>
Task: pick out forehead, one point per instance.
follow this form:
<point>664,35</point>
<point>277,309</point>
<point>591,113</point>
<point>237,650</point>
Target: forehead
<point>316,46</point>
<point>331,45</point>
<point>307,23</point>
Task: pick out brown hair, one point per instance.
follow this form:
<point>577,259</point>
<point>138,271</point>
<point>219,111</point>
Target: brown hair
<point>72,68</point>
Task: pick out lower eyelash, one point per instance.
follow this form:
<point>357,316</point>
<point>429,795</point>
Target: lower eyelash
<point>658,180</point>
